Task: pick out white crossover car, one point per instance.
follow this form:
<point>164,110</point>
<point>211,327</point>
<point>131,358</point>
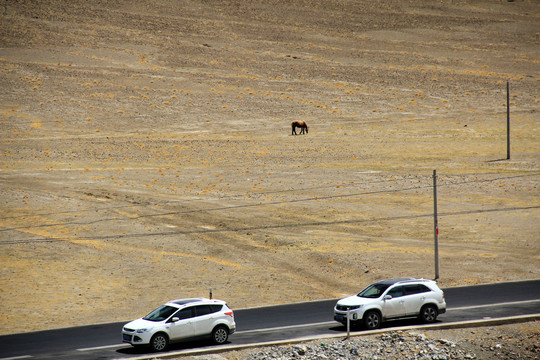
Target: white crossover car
<point>392,299</point>
<point>181,319</point>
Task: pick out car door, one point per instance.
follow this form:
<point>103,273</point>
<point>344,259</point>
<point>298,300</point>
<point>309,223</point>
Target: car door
<point>415,297</point>
<point>182,328</point>
<point>204,319</point>
<point>395,306</point>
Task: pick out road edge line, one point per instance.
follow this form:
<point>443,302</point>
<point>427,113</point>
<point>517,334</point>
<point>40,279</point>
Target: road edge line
<point>17,357</point>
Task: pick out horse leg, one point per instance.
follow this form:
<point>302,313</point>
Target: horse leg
<point>293,130</point>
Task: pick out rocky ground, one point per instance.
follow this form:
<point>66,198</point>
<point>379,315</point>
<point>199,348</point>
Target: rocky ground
<point>146,152</point>
<point>511,342</point>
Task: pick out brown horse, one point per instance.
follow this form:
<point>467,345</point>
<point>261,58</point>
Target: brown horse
<point>299,124</point>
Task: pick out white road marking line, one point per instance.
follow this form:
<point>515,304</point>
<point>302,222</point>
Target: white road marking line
<point>17,357</point>
<point>490,305</point>
<point>286,327</point>
<point>101,347</point>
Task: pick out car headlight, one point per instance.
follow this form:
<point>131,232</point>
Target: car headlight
<point>140,331</point>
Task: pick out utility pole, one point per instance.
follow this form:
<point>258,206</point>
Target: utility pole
<point>508,120</point>
<point>436,224</point>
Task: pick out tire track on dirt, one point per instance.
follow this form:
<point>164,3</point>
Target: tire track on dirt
<point>275,226</point>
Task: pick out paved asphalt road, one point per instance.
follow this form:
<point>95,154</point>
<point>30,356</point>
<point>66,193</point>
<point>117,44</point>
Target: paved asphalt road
<point>271,323</point>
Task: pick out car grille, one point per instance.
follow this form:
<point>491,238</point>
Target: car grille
<point>344,308</point>
<point>128,330</point>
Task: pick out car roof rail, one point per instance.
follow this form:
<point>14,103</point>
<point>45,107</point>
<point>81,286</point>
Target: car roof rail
<point>396,280</point>
<point>187,301</point>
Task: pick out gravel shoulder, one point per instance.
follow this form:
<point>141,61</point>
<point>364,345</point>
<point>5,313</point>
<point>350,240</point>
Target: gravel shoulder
<point>512,342</point>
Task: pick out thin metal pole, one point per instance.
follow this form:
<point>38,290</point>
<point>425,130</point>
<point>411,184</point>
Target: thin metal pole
<point>508,120</point>
<point>436,224</point>
<point>348,323</point>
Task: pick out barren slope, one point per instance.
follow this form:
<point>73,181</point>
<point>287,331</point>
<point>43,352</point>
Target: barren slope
<point>145,151</point>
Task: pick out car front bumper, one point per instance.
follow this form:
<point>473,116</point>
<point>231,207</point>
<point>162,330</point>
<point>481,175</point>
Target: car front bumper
<point>341,317</point>
<point>135,338</point>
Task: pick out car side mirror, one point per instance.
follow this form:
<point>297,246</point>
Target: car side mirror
<point>175,319</point>
<point>387,297</point>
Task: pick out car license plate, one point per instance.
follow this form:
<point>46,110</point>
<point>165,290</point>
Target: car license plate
<point>339,317</point>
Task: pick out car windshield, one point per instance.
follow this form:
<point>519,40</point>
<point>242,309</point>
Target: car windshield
<point>373,291</point>
<point>161,313</point>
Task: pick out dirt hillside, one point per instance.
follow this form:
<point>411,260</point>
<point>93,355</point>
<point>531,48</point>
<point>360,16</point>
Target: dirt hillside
<point>146,151</point>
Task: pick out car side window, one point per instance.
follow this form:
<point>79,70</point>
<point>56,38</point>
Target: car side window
<point>416,289</point>
<point>201,310</point>
<point>396,292</point>
<point>185,313</point>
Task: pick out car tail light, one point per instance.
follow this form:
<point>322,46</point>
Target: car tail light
<point>230,313</point>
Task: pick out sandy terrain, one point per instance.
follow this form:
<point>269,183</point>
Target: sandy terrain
<point>146,151</point>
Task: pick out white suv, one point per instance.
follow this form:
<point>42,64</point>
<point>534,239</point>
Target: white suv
<point>181,319</point>
<point>392,299</point>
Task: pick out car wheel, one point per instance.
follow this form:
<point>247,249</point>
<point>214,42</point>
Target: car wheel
<point>428,314</point>
<point>372,320</point>
<point>220,335</point>
<point>159,342</point>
